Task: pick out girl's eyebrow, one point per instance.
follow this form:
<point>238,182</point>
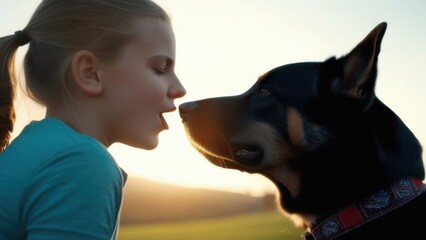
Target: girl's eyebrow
<point>165,58</point>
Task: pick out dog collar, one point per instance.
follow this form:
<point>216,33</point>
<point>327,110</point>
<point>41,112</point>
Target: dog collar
<point>370,208</point>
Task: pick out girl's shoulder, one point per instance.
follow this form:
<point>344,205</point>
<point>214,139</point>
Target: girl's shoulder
<point>50,162</point>
<point>52,144</point>
<point>52,130</point>
<point>52,136</point>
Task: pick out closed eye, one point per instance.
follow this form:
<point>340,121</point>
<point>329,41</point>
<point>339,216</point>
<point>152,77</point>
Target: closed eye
<point>161,64</point>
<point>160,71</point>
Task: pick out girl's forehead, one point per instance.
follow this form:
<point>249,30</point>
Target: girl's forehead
<point>153,28</point>
<point>154,33</point>
<point>151,37</point>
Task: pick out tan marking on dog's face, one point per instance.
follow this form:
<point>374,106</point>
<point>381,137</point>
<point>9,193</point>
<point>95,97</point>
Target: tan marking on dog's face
<point>295,128</point>
<point>263,76</point>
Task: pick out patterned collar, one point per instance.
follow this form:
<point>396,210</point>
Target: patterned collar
<point>370,208</point>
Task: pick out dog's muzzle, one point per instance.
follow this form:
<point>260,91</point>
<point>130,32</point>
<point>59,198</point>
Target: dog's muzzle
<point>185,109</point>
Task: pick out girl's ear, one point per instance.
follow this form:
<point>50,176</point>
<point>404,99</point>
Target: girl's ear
<point>84,72</point>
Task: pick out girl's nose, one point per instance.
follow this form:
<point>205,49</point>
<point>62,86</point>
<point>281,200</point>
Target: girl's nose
<point>177,90</point>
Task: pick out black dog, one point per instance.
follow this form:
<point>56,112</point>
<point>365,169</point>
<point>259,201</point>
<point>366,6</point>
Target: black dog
<point>345,165</point>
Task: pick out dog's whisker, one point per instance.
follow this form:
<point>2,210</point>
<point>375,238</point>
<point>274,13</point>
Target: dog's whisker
<point>226,142</point>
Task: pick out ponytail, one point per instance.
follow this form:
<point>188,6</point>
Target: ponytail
<point>8,48</point>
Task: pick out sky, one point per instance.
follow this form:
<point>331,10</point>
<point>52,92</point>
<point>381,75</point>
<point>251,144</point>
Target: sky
<point>223,46</point>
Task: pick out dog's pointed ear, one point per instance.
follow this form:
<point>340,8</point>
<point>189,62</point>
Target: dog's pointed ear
<point>359,67</point>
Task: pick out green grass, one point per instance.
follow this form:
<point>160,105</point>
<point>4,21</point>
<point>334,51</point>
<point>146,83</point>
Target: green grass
<point>261,226</point>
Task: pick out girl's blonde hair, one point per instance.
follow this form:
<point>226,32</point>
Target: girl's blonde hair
<point>56,31</point>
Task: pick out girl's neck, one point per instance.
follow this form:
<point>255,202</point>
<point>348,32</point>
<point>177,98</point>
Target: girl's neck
<point>82,123</point>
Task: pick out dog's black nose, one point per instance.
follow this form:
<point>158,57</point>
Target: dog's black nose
<point>186,108</point>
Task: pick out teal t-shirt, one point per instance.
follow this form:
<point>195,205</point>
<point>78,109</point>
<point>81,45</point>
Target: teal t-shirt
<point>56,183</point>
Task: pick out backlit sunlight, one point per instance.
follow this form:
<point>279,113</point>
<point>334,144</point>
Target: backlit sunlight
<point>224,45</point>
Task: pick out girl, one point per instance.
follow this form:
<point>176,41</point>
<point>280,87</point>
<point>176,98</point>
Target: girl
<point>104,69</point>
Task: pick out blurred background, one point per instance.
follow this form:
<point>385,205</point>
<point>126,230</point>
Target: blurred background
<point>222,47</point>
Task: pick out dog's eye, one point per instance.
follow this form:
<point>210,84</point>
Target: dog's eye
<point>264,92</point>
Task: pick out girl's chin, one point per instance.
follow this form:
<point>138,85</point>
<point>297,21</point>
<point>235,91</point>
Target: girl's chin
<point>150,145</point>
<point>145,143</point>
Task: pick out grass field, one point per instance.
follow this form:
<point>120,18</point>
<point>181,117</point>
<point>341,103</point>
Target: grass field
<point>261,226</point>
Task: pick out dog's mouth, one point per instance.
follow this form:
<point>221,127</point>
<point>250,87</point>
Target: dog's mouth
<point>243,157</point>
